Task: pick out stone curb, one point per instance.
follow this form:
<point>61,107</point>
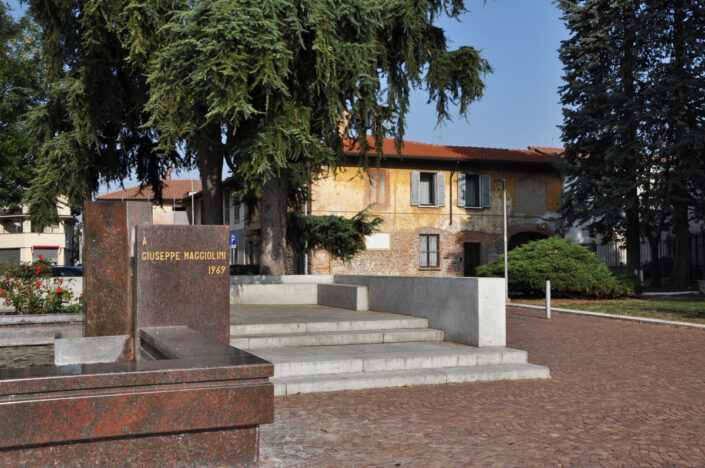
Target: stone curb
<point>612,316</point>
<point>39,319</point>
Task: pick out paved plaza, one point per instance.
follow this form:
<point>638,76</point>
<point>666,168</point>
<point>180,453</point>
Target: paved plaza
<point>621,394</point>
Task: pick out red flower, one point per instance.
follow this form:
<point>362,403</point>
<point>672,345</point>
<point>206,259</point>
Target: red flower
<point>41,258</point>
<point>2,292</point>
<point>61,280</point>
<point>59,290</point>
<point>81,294</point>
<point>38,283</point>
<point>7,299</point>
<point>6,281</point>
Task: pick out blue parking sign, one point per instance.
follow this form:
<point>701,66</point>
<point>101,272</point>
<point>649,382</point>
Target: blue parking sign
<point>233,239</point>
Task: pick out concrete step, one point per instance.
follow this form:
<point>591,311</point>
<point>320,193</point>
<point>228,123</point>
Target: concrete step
<point>400,378</point>
<point>332,338</point>
<point>343,296</point>
<point>307,361</point>
<point>282,328</point>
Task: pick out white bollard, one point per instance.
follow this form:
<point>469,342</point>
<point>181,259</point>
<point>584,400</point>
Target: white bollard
<point>548,299</point>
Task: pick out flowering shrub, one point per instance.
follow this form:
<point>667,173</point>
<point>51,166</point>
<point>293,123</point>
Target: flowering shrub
<point>30,289</point>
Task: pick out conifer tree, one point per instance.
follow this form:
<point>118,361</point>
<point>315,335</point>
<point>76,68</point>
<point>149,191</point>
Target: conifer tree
<point>602,108</point>
<point>677,128</point>
<point>264,86</point>
<point>633,121</point>
<point>20,71</point>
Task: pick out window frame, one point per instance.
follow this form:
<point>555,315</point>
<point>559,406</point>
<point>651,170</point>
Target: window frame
<point>432,189</point>
<point>427,252</point>
<point>478,190</point>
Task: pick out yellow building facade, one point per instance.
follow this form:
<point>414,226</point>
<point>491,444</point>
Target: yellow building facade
<point>442,207</point>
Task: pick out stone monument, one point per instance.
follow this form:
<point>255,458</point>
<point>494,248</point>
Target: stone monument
<point>154,381</point>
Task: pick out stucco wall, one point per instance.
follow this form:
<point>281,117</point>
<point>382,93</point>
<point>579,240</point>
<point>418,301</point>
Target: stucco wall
<point>347,192</point>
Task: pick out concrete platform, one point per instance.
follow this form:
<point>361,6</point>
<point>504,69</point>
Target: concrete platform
<point>269,319</point>
<point>320,349</point>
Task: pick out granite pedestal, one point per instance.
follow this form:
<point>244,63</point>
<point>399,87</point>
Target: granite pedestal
<point>177,394</point>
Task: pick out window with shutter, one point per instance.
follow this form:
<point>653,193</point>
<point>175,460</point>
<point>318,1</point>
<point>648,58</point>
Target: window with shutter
<point>474,190</point>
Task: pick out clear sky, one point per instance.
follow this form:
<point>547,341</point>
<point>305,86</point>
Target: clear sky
<point>520,107</point>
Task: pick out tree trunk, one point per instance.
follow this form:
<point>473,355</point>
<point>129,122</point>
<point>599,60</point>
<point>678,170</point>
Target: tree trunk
<point>655,266</point>
<point>210,166</point>
<point>273,219</point>
<point>633,235</point>
<point>680,278</point>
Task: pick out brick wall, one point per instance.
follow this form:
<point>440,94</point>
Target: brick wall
<point>403,256</point>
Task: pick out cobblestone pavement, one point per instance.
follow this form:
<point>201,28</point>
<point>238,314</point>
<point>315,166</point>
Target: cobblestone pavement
<point>621,394</point>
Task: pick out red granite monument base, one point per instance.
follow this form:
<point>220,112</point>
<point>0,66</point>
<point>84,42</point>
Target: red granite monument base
<point>225,447</point>
<point>172,412</point>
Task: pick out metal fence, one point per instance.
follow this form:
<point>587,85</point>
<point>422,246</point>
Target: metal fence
<point>614,254</point>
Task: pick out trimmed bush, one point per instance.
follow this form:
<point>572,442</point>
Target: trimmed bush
<point>574,271</point>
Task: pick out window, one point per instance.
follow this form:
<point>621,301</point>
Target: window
<point>428,189</point>
<point>377,187</point>
<point>50,254</point>
<point>428,251</point>
<point>473,191</point>
<point>235,210</point>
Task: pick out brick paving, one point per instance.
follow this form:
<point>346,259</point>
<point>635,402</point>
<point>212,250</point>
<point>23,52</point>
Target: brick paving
<point>621,394</point>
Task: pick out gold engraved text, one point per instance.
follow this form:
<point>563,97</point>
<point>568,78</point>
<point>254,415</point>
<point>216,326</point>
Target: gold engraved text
<point>170,255</point>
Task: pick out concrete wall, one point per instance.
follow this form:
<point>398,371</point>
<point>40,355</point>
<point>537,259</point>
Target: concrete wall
<point>469,310</point>
<point>288,289</point>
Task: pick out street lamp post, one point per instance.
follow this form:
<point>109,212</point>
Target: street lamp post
<point>503,180</point>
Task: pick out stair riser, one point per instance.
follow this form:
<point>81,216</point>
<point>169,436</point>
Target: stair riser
<point>303,327</point>
<point>255,342</point>
<point>429,377</point>
<point>348,366</point>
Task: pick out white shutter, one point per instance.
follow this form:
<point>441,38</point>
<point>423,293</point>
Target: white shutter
<point>461,190</point>
<point>440,189</point>
<point>415,176</point>
<point>485,188</point>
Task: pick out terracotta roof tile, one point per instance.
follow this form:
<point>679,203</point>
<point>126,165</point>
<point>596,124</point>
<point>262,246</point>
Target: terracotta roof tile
<point>425,150</point>
<point>173,189</point>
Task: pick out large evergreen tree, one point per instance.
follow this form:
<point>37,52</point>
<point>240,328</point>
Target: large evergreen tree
<point>20,72</point>
<point>270,87</point>
<point>602,109</point>
<point>633,121</point>
<point>677,122</point>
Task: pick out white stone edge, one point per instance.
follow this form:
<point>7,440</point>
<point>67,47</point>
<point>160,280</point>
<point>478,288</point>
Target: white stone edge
<point>39,319</point>
<point>612,316</point>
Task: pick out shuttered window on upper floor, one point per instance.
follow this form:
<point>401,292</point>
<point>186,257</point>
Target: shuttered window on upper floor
<point>428,189</point>
<point>474,190</point>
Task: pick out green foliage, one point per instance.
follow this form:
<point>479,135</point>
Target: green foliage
<point>342,237</point>
<point>30,289</point>
<point>264,85</point>
<point>573,270</point>
<point>20,73</point>
<point>633,113</point>
<point>630,281</point>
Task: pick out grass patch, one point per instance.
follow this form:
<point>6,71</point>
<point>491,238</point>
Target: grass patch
<point>678,308</point>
